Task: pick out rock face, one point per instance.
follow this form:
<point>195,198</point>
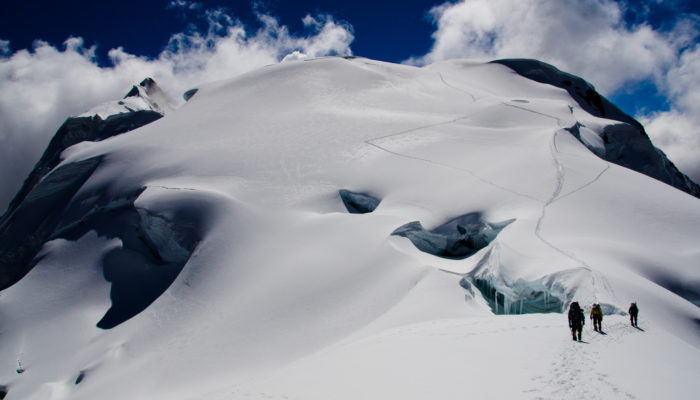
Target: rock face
<point>107,120</point>
<point>626,143</point>
<point>80,129</point>
<point>154,246</point>
<point>35,212</point>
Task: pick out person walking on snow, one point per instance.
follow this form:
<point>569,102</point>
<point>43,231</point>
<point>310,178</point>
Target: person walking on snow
<point>597,317</point>
<point>576,320</point>
<point>633,314</point>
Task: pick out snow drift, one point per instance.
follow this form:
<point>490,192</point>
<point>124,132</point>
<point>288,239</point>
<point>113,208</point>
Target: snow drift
<point>241,246</point>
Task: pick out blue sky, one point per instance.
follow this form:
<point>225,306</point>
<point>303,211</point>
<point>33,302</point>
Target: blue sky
<point>390,31</point>
<point>61,58</point>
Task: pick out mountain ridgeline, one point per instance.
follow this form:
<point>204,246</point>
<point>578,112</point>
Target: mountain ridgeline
<point>626,142</point>
<point>313,214</point>
<point>47,206</point>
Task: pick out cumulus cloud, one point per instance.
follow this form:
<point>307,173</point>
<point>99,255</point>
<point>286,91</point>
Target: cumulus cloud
<point>41,87</point>
<point>592,39</point>
<point>586,37</point>
<point>184,5</point>
<point>677,131</point>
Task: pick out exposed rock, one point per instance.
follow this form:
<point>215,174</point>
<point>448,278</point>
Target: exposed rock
<point>154,248</point>
<point>583,92</point>
<point>75,130</point>
<point>626,143</point>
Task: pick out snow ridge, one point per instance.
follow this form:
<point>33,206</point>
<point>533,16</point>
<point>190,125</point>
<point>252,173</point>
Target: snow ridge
<point>241,246</point>
<point>618,137</point>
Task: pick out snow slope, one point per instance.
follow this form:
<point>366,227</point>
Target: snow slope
<point>218,240</point>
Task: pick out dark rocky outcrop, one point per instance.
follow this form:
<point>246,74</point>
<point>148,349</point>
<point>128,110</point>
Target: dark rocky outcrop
<point>583,92</point>
<point>627,146</point>
<point>50,205</point>
<point>626,143</point>
<point>83,129</point>
<point>35,211</point>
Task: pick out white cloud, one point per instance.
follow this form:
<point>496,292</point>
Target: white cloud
<point>677,131</point>
<point>184,5</point>
<point>41,87</point>
<point>589,38</point>
<point>295,56</point>
<point>585,37</point>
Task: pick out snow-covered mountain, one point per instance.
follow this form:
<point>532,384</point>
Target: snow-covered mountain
<point>347,228</point>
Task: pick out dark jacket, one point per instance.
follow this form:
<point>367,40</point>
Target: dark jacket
<point>634,310</point>
<point>576,317</point>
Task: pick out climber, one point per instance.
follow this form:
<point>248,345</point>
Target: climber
<point>576,320</point>
<point>597,317</point>
<point>633,314</point>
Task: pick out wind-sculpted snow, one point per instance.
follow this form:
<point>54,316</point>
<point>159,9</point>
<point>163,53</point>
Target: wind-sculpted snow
<point>217,246</point>
<point>155,246</point>
<point>583,92</point>
<point>108,120</point>
<point>358,203</point>
<point>154,249</point>
<point>625,143</point>
<point>458,238</point>
<point>146,96</point>
<point>37,208</point>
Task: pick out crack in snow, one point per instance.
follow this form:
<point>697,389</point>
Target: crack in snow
<point>560,178</point>
<point>486,181</point>
<point>470,172</point>
<point>594,180</point>
<point>560,174</point>
<point>442,78</point>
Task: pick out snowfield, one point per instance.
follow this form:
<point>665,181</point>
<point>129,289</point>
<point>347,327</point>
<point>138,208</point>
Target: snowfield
<point>216,253</point>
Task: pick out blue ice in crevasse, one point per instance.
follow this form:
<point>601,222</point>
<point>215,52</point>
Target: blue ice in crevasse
<point>457,239</point>
<point>358,203</point>
<point>546,294</point>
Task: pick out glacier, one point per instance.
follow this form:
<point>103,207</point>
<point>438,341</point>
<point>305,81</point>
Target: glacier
<point>348,228</point>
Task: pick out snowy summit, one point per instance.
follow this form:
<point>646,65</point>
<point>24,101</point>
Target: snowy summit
<point>343,228</point>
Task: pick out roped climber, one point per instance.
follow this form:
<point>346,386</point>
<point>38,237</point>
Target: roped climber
<point>597,317</point>
<point>576,320</point>
<point>634,311</point>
